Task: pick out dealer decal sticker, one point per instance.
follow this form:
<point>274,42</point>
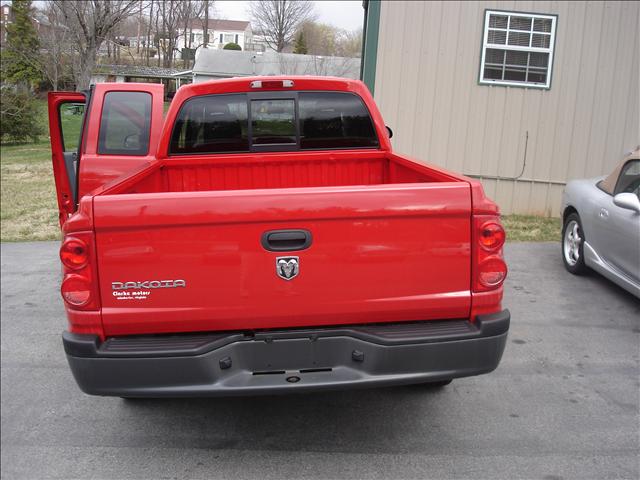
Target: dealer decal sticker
<point>142,290</point>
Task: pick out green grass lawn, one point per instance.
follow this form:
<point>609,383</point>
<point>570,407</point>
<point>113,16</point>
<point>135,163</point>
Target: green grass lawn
<point>528,228</point>
<point>28,208</point>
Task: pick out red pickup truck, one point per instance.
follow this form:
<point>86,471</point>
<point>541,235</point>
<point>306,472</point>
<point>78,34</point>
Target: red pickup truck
<point>263,237</point>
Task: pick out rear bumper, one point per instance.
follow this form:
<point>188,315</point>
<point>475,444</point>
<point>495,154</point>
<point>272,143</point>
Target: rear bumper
<point>286,360</point>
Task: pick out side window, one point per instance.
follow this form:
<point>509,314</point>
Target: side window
<point>71,115</point>
<point>629,180</point>
<point>125,124</point>
<point>211,124</point>
<point>334,120</point>
<point>273,122</point>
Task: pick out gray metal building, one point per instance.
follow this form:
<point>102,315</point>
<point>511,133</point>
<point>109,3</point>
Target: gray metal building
<point>213,64</point>
<point>524,95</point>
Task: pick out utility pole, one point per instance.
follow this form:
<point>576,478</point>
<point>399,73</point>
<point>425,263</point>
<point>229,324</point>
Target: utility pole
<point>139,27</point>
<point>148,46</point>
<point>206,24</point>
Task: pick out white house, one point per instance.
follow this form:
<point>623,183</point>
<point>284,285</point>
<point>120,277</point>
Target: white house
<point>221,32</point>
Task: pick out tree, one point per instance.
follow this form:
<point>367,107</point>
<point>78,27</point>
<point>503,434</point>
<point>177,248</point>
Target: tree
<point>300,46</point>
<point>349,43</point>
<point>232,46</point>
<point>205,29</point>
<point>20,55</point>
<point>90,23</point>
<point>171,17</point>
<point>56,55</point>
<point>18,116</point>
<point>320,38</point>
<point>190,10</point>
<point>327,40</point>
<point>277,21</point>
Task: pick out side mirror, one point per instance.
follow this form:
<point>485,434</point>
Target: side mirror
<point>132,141</point>
<point>389,131</point>
<point>628,201</point>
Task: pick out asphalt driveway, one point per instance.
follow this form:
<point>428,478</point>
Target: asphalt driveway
<point>563,404</point>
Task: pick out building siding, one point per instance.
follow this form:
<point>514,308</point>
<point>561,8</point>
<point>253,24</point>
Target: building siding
<point>426,85</point>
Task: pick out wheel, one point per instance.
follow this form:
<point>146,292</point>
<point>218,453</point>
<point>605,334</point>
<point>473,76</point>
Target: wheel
<point>573,245</point>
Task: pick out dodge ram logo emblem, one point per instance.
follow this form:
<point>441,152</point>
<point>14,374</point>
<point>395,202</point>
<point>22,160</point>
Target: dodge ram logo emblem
<point>287,267</point>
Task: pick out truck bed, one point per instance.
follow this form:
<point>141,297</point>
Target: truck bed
<point>390,242</point>
<point>245,172</point>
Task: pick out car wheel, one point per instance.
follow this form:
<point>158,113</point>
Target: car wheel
<point>573,245</point>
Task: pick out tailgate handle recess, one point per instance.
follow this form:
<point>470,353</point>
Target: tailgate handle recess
<point>286,240</point>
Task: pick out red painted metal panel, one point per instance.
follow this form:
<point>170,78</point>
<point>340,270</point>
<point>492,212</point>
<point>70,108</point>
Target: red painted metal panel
<point>96,169</point>
<point>396,252</point>
<point>66,205</point>
<point>392,238</point>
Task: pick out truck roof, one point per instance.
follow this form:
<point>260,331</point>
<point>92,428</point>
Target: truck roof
<point>243,84</point>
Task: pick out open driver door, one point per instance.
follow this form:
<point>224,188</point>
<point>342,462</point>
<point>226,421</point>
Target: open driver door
<point>66,118</point>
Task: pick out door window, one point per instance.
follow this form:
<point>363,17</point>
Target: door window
<point>71,115</point>
<point>125,124</point>
<point>629,180</point>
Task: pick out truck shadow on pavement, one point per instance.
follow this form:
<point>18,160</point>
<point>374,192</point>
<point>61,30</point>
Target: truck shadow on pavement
<point>375,420</point>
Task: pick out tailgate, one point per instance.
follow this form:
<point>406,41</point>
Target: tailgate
<point>194,261</point>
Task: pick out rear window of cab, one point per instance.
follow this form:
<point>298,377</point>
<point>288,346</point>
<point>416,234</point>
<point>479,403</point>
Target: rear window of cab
<point>229,123</point>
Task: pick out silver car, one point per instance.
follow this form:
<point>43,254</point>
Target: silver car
<point>601,225</point>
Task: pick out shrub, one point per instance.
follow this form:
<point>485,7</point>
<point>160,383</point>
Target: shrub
<point>19,119</point>
<point>232,46</point>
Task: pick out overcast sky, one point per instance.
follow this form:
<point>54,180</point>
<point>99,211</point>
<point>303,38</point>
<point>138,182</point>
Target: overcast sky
<point>342,14</point>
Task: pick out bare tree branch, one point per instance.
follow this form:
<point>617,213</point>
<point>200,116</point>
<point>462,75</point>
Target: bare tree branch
<point>277,21</point>
<point>91,22</point>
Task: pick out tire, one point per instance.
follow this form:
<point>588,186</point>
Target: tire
<point>573,245</point>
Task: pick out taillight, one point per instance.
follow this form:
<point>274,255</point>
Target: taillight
<point>492,272</point>
<point>491,236</point>
<point>80,284</point>
<point>489,268</point>
<point>76,290</point>
<point>74,253</point>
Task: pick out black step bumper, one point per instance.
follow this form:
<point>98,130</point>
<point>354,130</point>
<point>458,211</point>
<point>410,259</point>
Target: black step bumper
<point>286,360</point>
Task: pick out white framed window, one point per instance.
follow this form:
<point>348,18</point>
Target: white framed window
<point>517,49</point>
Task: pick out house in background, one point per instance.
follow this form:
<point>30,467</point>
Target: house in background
<point>221,32</point>
<point>212,64</point>
<point>523,95</point>
<point>171,78</point>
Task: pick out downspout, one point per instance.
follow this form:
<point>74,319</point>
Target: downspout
<point>370,33</point>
